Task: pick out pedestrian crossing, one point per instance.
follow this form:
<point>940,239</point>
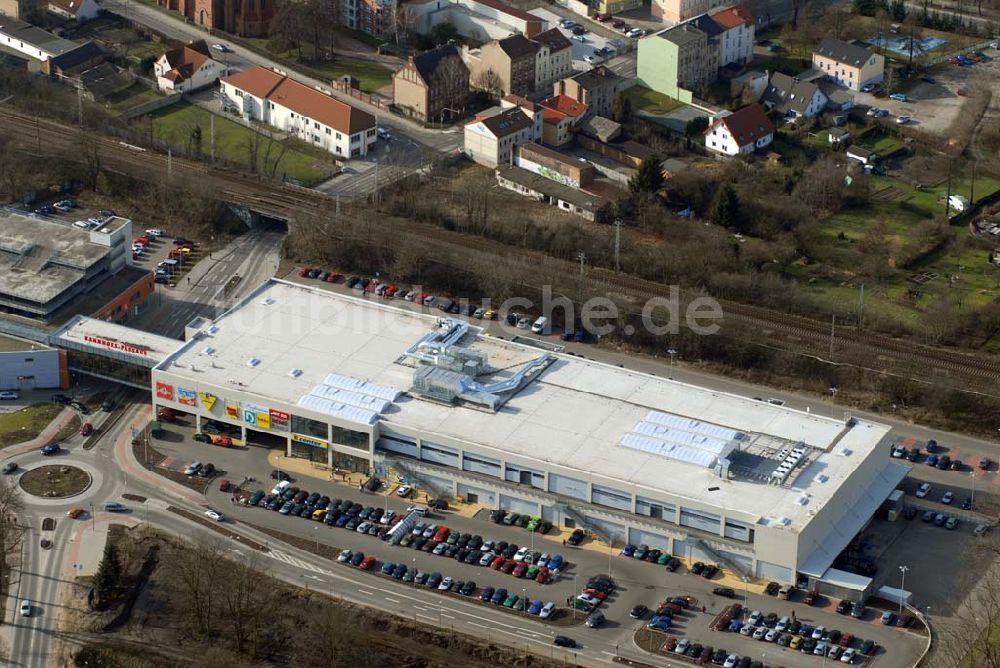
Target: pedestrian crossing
<point>278,555</point>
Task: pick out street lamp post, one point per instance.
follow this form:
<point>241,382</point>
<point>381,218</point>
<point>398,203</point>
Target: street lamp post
<point>972,501</point>
<point>902,586</point>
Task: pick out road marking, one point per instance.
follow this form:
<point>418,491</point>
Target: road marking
<point>604,651</point>
<point>445,614</point>
<point>394,600</point>
<point>482,626</point>
<point>427,617</point>
<point>367,592</point>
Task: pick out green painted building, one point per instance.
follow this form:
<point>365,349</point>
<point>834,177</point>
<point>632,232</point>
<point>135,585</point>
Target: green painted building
<point>676,61</point>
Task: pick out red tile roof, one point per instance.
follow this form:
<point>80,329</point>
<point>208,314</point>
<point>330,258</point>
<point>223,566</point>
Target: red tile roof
<point>746,125</point>
<point>507,9</point>
<point>184,61</point>
<point>732,17</point>
<point>303,100</point>
<point>564,104</point>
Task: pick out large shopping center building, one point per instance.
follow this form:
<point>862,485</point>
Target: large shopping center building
<point>769,491</point>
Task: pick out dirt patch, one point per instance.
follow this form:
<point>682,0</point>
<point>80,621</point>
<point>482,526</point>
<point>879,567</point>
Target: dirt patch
<point>55,481</point>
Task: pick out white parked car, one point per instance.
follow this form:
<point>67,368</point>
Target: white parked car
<point>947,498</point>
<point>923,490</point>
<point>848,655</point>
<point>9,395</point>
<point>222,48</point>
<point>82,224</point>
<point>154,232</point>
<point>903,120</point>
<point>731,661</point>
<point>759,632</point>
<point>782,624</point>
<point>547,610</point>
<point>754,618</point>
<point>215,515</point>
<point>404,491</point>
<point>818,632</point>
<point>521,554</point>
<point>26,608</point>
<point>446,583</point>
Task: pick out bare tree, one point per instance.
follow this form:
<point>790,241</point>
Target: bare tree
<point>450,84</point>
<point>197,572</point>
<point>490,83</point>
<point>244,599</point>
<point>11,531</point>
<point>401,24</point>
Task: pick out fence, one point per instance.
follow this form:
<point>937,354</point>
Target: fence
<point>374,100</point>
<point>944,57</point>
<point>151,106</point>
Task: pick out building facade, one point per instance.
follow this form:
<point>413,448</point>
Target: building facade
<point>597,89</point>
<point>245,18</point>
<point>311,115</point>
<point>187,68</point>
<point>481,20</point>
<point>677,11</point>
<point>553,58</point>
<point>737,35</point>
<point>491,140</point>
<point>560,114</point>
<point>30,365</point>
<point>507,64</point>
<point>740,132</point>
<point>849,65</point>
<point>432,84</point>
<point>766,491</point>
<point>374,17</point>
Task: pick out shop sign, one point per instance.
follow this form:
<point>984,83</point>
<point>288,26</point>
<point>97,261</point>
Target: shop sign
<point>279,419</point>
<point>233,411</point>
<point>258,417</point>
<point>207,400</point>
<point>116,345</point>
<point>187,397</point>
<point>164,391</point>
<point>310,441</point>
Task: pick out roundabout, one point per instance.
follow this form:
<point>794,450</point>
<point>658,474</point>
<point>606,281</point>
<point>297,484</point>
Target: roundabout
<point>55,481</point>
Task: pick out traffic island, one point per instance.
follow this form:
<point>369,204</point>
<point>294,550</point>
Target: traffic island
<point>57,481</point>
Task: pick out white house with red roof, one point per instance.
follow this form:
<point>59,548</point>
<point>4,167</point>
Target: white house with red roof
<point>307,113</point>
<point>739,132</point>
<point>187,68</point>
<point>560,113</point>
<point>737,37</point>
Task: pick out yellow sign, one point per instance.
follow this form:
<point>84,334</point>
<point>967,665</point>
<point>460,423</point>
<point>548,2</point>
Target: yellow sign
<point>309,440</point>
<point>263,420</point>
<point>207,400</point>
<point>233,411</point>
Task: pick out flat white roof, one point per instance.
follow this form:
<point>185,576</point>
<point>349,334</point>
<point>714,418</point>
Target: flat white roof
<point>82,332</point>
<point>574,415</point>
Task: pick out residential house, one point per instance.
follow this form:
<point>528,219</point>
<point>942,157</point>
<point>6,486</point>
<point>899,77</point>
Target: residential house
<point>849,64</point>
<point>737,35</point>
<point>482,20</point>
<point>490,139</point>
<point>678,11</point>
<point>792,97</point>
<point>187,68</point>
<point>74,61</point>
<point>531,109</point>
<point>307,113</point>
<point>749,86</point>
<point>79,10</point>
<point>432,84</point>
<point>560,114</point>
<point>507,64</point>
<point>739,132</point>
<point>597,88</point>
<point>32,41</point>
<point>244,18</point>
<point>553,58</point>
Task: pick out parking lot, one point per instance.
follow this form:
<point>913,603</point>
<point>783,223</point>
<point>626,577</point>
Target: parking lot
<point>584,45</point>
<point>637,582</point>
<point>934,105</point>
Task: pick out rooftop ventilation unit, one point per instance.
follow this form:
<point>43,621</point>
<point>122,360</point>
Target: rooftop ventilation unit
<point>208,351</point>
<point>253,361</point>
<point>295,373</point>
<point>802,500</point>
<point>213,329</point>
<point>266,301</point>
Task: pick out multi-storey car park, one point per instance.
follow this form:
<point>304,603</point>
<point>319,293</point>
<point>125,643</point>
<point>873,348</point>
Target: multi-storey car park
<point>768,491</point>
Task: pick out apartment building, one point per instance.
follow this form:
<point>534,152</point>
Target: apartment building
<point>848,64</point>
<point>560,114</point>
<point>553,59</point>
<point>432,84</point>
<point>491,138</point>
<point>678,11</point>
<point>596,88</point>
<point>508,63</point>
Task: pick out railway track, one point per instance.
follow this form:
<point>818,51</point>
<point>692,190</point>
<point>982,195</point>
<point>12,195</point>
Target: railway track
<point>745,322</point>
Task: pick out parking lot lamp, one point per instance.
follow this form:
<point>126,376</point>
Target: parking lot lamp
<point>902,586</point>
<point>972,501</point>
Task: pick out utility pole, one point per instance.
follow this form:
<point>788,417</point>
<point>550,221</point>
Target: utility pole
<point>79,102</point>
<point>582,257</point>
<point>972,184</point>
<point>211,121</point>
<point>170,163</point>
<point>861,307</point>
<point>618,243</point>
<point>833,325</point>
<point>947,201</point>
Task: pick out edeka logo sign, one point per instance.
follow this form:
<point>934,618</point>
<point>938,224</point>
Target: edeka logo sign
<point>232,411</point>
<point>279,419</point>
<point>258,417</point>
<point>164,391</point>
<point>207,400</point>
<point>309,440</point>
<point>187,397</point>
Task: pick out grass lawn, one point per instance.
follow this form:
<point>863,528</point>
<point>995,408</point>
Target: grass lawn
<point>370,75</point>
<point>27,423</point>
<point>884,144</point>
<point>300,162</point>
<point>55,481</point>
<point>132,96</point>
<point>651,102</point>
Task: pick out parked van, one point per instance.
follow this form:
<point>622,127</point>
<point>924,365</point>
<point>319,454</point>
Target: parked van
<point>281,487</point>
<point>541,326</point>
<point>419,510</point>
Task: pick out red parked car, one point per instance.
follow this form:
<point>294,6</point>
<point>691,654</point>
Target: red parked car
<point>142,241</point>
<point>497,562</point>
<point>419,299</point>
<point>442,534</point>
<point>543,575</point>
<point>390,291</point>
<point>304,271</point>
<point>86,429</point>
<point>222,440</point>
<point>508,566</point>
<point>367,563</point>
<point>599,595</point>
<point>331,277</point>
<point>519,570</point>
